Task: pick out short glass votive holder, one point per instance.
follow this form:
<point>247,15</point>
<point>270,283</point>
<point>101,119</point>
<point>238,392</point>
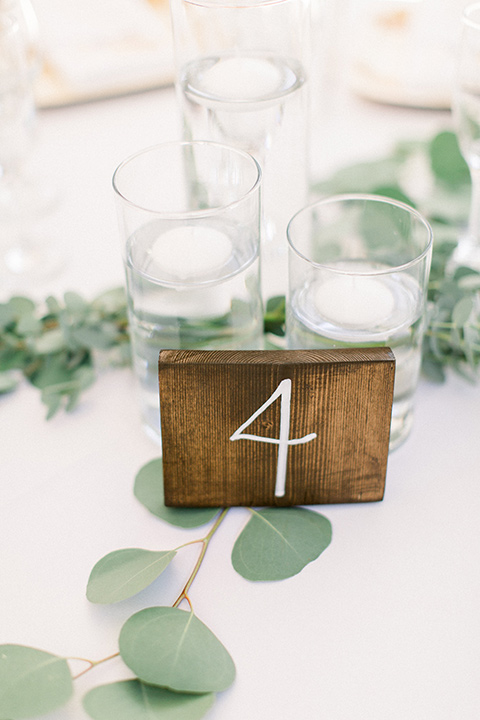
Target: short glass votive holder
<point>189,217</point>
<point>358,274</point>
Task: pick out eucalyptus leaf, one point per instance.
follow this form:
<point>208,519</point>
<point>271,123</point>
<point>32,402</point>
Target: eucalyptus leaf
<point>148,490</point>
<point>100,337</point>
<point>470,282</point>
<point>53,305</point>
<point>53,401</point>
<point>111,301</point>
<point>21,306</point>
<point>51,342</point>
<point>84,376</point>
<point>124,573</point>
<point>172,648</point>
<point>29,325</point>
<point>52,370</point>
<point>32,682</point>
<point>433,370</point>
<point>55,376</point>
<point>447,162</point>
<point>277,543</point>
<point>75,303</point>
<point>462,310</point>
<point>7,315</point>
<point>133,700</point>
<point>73,398</point>
<point>274,318</point>
<point>361,177</point>
<point>472,340</point>
<point>8,382</point>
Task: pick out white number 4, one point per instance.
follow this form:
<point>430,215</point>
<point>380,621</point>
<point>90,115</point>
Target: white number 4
<point>285,391</point>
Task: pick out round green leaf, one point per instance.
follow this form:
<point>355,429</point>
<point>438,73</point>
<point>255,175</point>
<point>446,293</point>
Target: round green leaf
<point>7,315</point>
<point>433,370</point>
<point>51,342</point>
<point>51,372</point>
<point>123,573</point>
<point>75,303</point>
<point>8,381</point>
<point>21,306</point>
<point>111,301</point>
<point>277,543</point>
<point>53,401</point>
<point>149,490</point>
<point>29,325</point>
<point>462,310</point>
<point>32,682</point>
<point>470,281</point>
<point>172,648</point>
<point>446,160</point>
<point>132,699</point>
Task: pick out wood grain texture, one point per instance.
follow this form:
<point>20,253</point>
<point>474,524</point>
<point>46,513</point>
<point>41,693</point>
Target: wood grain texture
<point>344,396</point>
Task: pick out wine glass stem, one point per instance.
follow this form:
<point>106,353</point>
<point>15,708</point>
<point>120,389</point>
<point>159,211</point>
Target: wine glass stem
<point>474,219</point>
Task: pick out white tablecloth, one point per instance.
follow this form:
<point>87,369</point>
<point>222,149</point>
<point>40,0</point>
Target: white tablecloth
<point>383,626</point>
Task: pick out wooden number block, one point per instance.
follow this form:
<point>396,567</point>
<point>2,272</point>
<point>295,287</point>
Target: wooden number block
<point>287,427</point>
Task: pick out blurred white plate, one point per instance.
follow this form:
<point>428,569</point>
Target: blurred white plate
<point>101,48</point>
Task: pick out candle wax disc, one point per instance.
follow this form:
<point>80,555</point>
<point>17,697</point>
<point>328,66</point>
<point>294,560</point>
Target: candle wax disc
<point>241,78</point>
<point>354,302</point>
<point>189,251</point>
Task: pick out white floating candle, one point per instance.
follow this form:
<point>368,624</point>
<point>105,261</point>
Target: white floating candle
<point>189,252</point>
<point>241,78</point>
<point>354,302</point>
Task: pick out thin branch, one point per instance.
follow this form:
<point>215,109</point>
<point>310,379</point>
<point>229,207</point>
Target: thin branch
<point>205,542</point>
<point>91,663</point>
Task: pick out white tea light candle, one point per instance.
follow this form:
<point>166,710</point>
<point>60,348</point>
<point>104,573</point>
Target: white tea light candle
<point>241,79</point>
<point>354,301</point>
<point>189,251</point>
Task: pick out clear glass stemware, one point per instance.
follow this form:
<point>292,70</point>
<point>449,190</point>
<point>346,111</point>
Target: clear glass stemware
<point>466,113</point>
<point>26,255</point>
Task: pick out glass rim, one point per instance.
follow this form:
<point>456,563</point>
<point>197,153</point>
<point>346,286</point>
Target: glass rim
<point>467,15</point>
<point>330,199</point>
<point>186,214</point>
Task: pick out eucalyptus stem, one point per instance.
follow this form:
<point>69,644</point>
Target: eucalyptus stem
<point>92,663</point>
<point>446,337</point>
<point>205,543</point>
<point>183,595</point>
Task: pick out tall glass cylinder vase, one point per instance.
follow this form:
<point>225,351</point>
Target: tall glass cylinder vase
<point>242,71</point>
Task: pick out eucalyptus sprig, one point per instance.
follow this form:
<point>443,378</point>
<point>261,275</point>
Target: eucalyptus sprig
<point>178,662</point>
<point>59,345</point>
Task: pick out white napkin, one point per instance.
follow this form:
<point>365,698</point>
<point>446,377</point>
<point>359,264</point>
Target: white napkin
<point>104,46</point>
